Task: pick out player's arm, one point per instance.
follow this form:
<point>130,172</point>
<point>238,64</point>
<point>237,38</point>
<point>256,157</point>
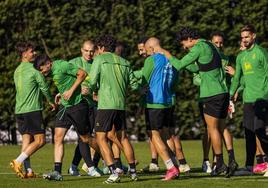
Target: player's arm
<point>44,87</point>
<point>94,74</point>
<point>236,78</point>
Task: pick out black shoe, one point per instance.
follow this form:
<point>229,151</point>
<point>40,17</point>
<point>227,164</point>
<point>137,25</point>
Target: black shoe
<point>232,167</point>
<point>219,170</point>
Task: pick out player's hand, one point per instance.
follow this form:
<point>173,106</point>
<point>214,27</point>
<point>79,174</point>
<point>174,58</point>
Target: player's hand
<point>53,106</point>
<point>57,99</point>
<point>84,90</point>
<point>230,70</point>
<point>235,96</point>
<point>166,53</point>
<point>67,95</point>
<point>95,96</point>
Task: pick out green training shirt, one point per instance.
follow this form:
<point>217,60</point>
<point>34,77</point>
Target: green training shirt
<point>64,76</point>
<point>86,66</point>
<point>212,81</point>
<point>30,84</point>
<point>253,65</point>
<point>225,62</point>
<point>112,74</point>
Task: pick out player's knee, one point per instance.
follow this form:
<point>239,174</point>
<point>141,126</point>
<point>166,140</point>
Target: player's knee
<point>40,142</point>
<point>58,139</point>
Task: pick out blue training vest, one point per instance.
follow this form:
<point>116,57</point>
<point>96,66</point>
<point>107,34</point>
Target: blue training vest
<point>161,81</point>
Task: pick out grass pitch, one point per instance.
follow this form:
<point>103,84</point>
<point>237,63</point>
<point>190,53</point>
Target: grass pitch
<point>42,162</point>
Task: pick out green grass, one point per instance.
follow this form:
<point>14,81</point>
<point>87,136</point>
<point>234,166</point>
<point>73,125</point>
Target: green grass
<point>42,162</point>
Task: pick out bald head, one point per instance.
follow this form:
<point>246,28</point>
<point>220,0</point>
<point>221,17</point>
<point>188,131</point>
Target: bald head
<point>87,50</point>
<point>152,45</point>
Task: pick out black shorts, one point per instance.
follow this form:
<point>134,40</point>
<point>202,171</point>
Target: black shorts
<point>171,123</point>
<point>156,119</point>
<point>216,106</point>
<point>255,115</point>
<point>105,120</point>
<point>30,123</point>
<point>77,115</point>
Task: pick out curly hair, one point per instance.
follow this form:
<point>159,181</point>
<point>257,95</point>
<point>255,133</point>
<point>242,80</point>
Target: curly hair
<point>186,33</point>
<point>24,46</point>
<point>106,41</point>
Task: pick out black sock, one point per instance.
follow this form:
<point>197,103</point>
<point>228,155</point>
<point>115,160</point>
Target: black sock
<point>206,159</point>
<point>132,168</point>
<point>85,152</point>
<point>259,159</point>
<point>182,161</point>
<point>219,158</point>
<point>231,155</point>
<point>112,168</point>
<point>155,161</point>
<point>77,156</point>
<point>118,163</point>
<point>96,159</point>
<point>265,158</point>
<point>57,167</point>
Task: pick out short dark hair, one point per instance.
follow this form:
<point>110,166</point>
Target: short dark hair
<point>40,60</point>
<point>106,41</point>
<point>143,40</point>
<point>24,46</point>
<point>249,28</point>
<point>217,33</point>
<point>186,33</point>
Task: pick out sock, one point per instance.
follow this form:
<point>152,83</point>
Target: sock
<point>182,161</point>
<point>219,160</point>
<point>169,164</point>
<point>206,159</point>
<point>96,159</point>
<point>231,155</point>
<point>155,161</point>
<point>132,168</point>
<point>27,165</point>
<point>118,163</point>
<point>112,169</point>
<point>85,152</point>
<point>57,167</point>
<point>77,156</point>
<point>265,158</point>
<point>21,157</point>
<point>259,159</point>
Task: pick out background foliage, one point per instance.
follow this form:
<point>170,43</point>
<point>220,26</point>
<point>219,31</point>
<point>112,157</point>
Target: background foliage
<point>60,26</point>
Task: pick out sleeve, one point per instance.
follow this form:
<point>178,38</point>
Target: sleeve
<point>94,74</point>
<point>69,68</point>
<point>134,80</point>
<point>188,59</point>
<point>192,68</point>
<point>147,70</point>
<point>242,85</point>
<point>43,85</point>
<point>236,78</point>
<point>197,79</point>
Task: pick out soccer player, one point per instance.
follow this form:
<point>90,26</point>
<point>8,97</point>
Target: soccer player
<point>84,62</point>
<point>252,64</point>
<point>213,90</point>
<point>67,78</point>
<point>30,88</point>
<point>112,74</point>
<point>159,75</point>
<point>153,166</point>
<point>217,39</point>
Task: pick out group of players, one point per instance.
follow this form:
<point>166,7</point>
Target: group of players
<point>92,97</point>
